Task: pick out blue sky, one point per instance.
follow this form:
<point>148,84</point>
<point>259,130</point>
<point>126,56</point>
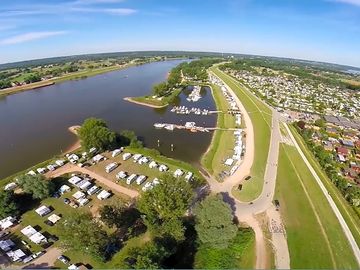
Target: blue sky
<point>323,30</point>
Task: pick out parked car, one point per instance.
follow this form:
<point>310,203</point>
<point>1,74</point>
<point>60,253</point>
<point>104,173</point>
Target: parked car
<point>48,222</point>
<point>63,259</point>
<point>38,254</point>
<point>28,259</point>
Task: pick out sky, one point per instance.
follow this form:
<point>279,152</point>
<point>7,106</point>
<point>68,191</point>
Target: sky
<point>319,30</point>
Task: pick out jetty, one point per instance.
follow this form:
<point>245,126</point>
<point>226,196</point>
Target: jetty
<point>191,126</point>
<point>195,94</point>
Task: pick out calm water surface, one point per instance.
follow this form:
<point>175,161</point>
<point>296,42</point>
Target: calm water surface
<point>34,124</point>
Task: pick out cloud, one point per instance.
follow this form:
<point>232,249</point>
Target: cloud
<point>111,11</point>
<point>30,37</point>
<point>90,6</point>
<point>350,2</point>
<point>90,2</point>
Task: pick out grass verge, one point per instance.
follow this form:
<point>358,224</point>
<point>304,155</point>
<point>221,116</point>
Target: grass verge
<point>315,237</point>
<point>348,212</point>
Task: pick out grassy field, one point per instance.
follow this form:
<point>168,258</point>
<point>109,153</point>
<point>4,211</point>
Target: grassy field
<point>349,214</point>
<point>260,116</point>
<point>222,143</point>
<point>314,235</point>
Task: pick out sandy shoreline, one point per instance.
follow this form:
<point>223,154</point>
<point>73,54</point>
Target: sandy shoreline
<point>144,104</point>
<point>76,145</point>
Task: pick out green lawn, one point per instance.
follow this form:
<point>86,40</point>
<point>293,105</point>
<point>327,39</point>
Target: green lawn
<point>222,143</point>
<point>314,235</point>
<point>349,214</point>
<point>260,116</point>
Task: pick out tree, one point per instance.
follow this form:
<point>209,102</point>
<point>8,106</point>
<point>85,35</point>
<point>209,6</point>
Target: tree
<point>160,89</point>
<point>95,133</point>
<point>8,205</point>
<point>31,78</point>
<point>129,138</point>
<point>214,222</point>
<point>165,205</point>
<point>36,185</point>
<point>119,216</point>
<point>301,124</point>
<point>82,233</point>
<point>150,256</point>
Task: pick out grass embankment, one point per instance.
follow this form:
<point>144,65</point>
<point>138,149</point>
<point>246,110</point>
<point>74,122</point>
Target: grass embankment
<point>350,215</point>
<point>239,255</point>
<point>315,237</point>
<point>71,76</point>
<point>222,142</point>
<point>260,116</point>
<point>155,102</point>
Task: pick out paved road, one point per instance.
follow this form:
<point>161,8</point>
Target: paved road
<point>333,206</point>
<point>246,211</point>
<point>69,168</point>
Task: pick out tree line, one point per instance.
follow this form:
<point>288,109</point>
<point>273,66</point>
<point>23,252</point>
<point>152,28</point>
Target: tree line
<point>326,160</point>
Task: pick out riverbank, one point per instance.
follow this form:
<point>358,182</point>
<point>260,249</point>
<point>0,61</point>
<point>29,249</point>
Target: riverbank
<point>75,146</point>
<point>67,77</point>
<point>145,102</point>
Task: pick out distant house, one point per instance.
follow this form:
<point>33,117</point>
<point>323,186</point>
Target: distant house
<point>331,130</point>
<point>354,166</point>
<point>328,146</point>
<point>357,144</point>
<point>341,158</point>
<point>351,173</point>
<point>342,151</point>
<point>347,143</point>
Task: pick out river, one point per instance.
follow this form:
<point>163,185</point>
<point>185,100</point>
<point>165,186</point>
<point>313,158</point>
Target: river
<point>34,124</point>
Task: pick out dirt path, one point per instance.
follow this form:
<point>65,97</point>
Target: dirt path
<point>69,168</point>
<point>45,261</point>
<point>246,211</point>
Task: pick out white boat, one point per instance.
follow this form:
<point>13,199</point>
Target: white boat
<point>169,127</point>
<point>159,125</point>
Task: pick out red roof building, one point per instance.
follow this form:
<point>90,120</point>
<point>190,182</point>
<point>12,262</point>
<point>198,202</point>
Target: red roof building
<point>342,151</point>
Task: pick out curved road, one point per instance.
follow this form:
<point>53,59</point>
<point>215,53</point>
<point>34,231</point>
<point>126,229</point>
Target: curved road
<point>245,211</point>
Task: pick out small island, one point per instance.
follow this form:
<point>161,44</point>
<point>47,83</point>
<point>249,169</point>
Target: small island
<point>179,77</point>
